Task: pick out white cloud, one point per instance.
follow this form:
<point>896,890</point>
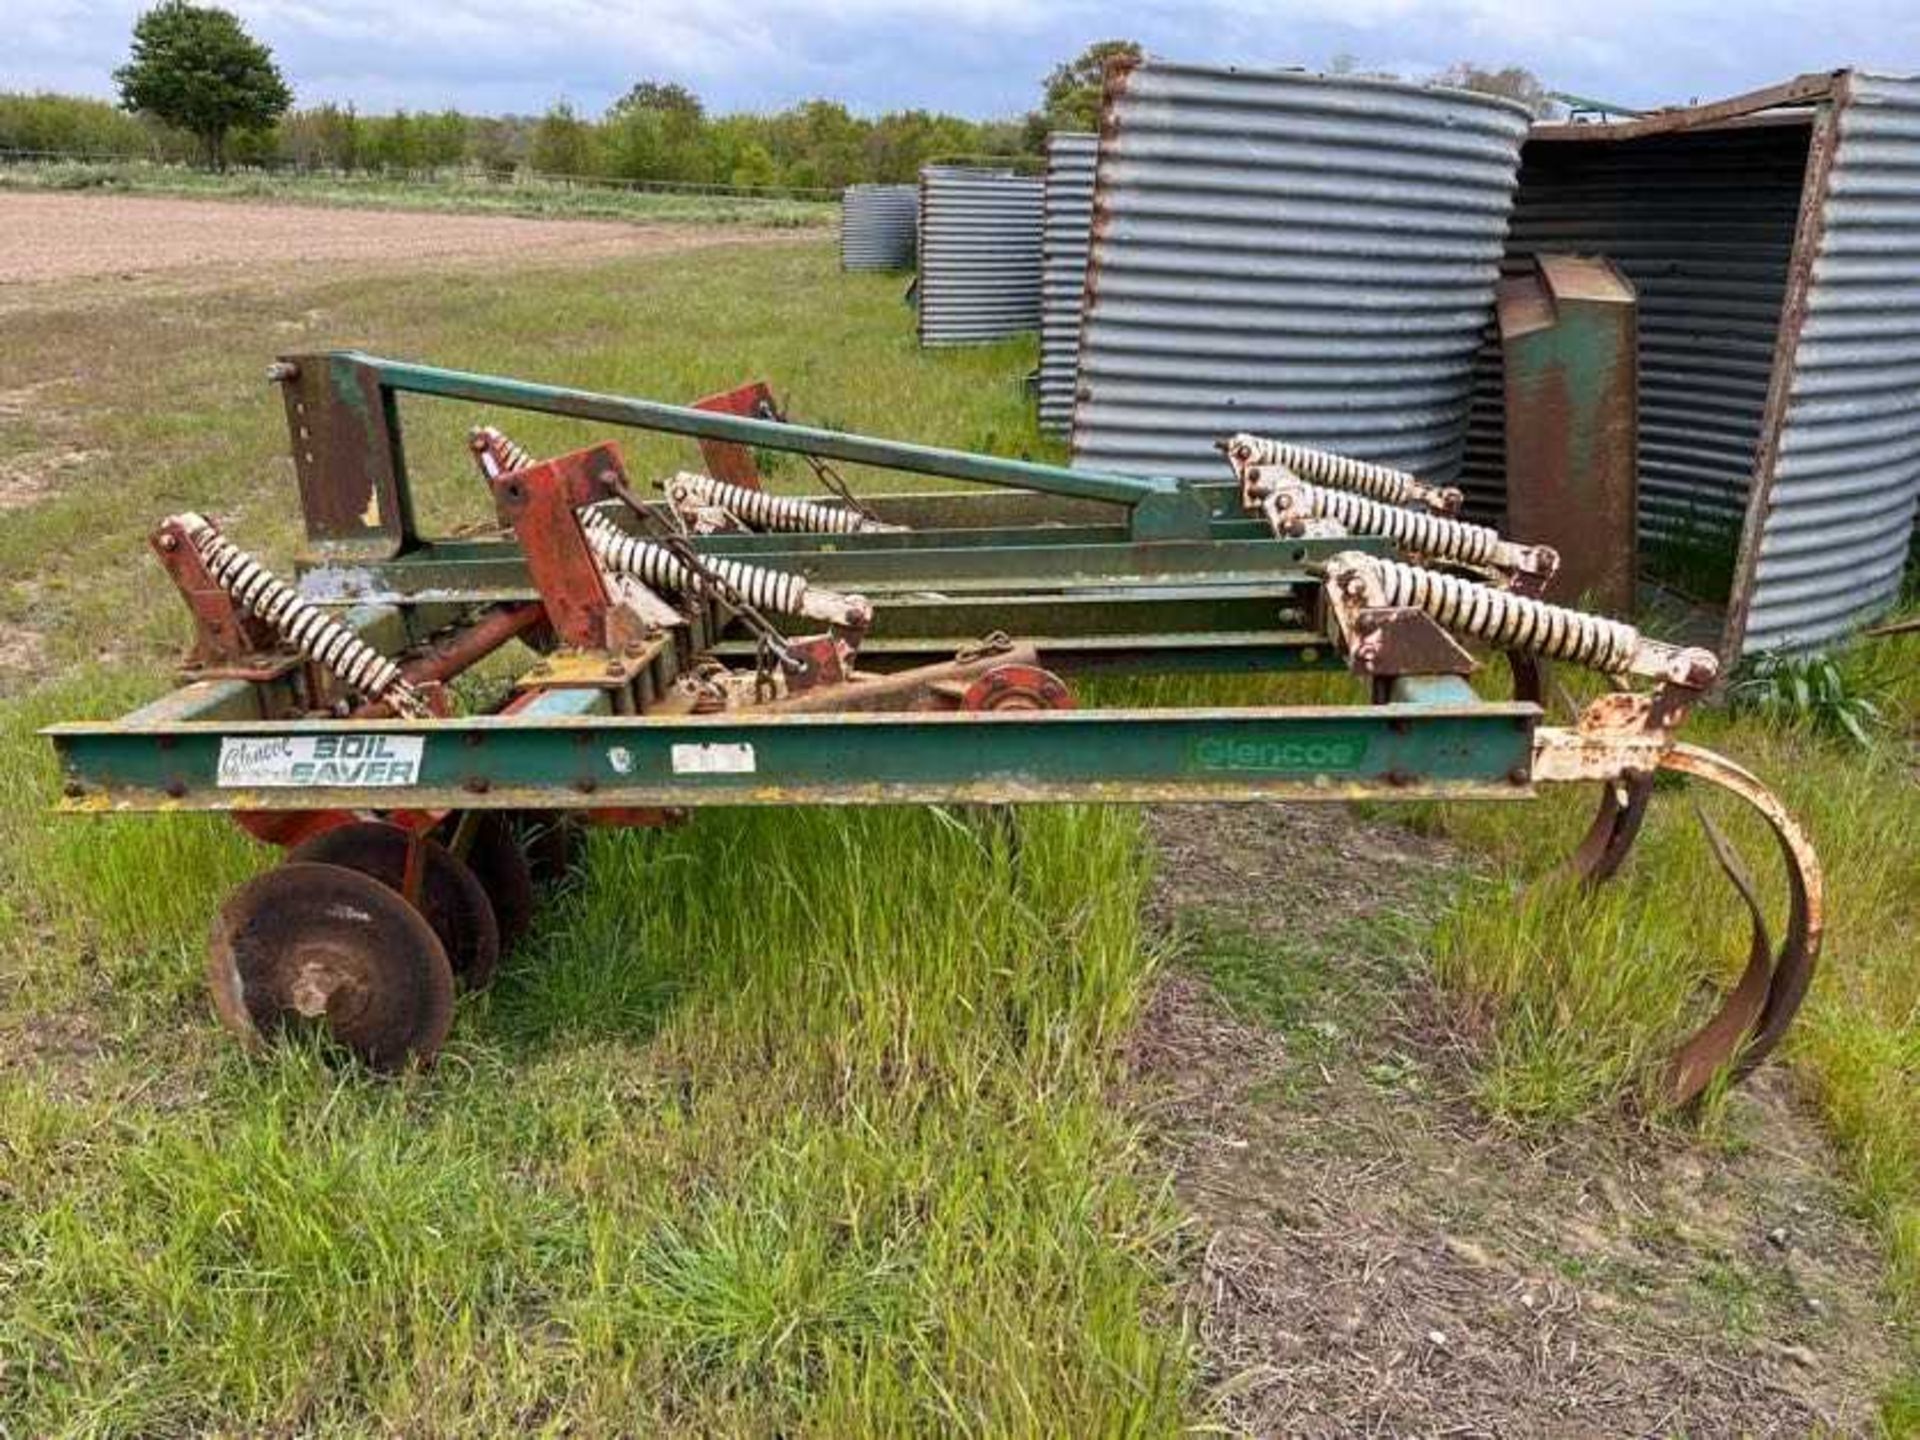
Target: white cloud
<point>976,56</point>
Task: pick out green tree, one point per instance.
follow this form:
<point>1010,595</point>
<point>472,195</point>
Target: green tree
<point>563,143</point>
<point>754,167</point>
<point>196,67</point>
<point>326,136</point>
<point>1073,90</point>
<point>1516,82</point>
<point>664,96</point>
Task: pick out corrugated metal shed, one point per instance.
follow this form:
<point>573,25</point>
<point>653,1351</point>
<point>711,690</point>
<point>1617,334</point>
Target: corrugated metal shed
<point>879,226</point>
<point>1832,512</point>
<point>1063,276</point>
<point>1304,255</point>
<point>1775,242</point>
<point>1702,223</point>
<point>979,254</point>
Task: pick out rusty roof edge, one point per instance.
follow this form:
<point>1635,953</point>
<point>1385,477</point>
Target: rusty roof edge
<point>1809,89</point>
<point>1808,235</point>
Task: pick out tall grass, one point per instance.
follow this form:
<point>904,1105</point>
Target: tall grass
<point>1581,993</point>
<point>780,1123</point>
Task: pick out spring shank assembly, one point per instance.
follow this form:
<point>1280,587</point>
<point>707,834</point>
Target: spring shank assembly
<point>1518,622</point>
<point>496,454</point>
<point>1294,507</point>
<point>310,630</point>
<point>1251,454</point>
<point>766,589</point>
<point>691,494</point>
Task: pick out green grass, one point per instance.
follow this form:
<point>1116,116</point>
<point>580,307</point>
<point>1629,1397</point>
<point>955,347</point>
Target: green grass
<point>466,194</point>
<point>1585,992</point>
<point>781,1123</point>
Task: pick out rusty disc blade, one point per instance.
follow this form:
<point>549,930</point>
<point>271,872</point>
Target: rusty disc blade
<point>1751,1021</point>
<point>450,898</point>
<point>320,944</point>
<point>500,865</point>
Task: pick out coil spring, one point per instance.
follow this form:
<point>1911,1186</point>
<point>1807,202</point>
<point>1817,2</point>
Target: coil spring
<point>1340,472</point>
<point>1509,621</point>
<point>1418,530</point>
<point>659,567</point>
<point>763,511</point>
<point>310,630</point>
<point>498,454</point>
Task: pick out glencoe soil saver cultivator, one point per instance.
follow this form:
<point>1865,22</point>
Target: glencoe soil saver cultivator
<point>723,645</point>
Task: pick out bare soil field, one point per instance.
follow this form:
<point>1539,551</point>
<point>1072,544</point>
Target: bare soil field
<point>59,237</point>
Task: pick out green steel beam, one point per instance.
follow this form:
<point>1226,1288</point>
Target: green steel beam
<point>494,570</point>
<point>1294,753</point>
<point>1160,506</point>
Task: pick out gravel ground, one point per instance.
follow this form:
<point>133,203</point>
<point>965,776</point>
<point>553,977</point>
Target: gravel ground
<point>50,238</point>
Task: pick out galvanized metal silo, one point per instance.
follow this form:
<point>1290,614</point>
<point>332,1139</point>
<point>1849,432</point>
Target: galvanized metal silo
<point>1063,275</point>
<point>879,225</point>
<point>979,254</point>
<point>1308,256</point>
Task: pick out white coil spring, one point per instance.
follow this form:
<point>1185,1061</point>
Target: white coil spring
<point>659,567</point>
<point>763,511</point>
<point>310,630</point>
<point>1509,621</point>
<point>1418,530</point>
<point>498,455</point>
<point>1341,472</point>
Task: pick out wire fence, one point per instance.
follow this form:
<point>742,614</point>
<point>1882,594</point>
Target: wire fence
<point>469,174</point>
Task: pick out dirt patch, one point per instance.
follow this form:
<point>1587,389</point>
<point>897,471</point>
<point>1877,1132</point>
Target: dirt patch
<point>23,655</point>
<point>31,476</point>
<point>1372,1256</point>
<point>125,238</point>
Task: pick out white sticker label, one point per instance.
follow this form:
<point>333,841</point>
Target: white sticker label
<point>713,759</point>
<point>301,760</point>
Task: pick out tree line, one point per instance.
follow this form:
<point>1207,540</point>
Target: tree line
<point>198,86</point>
<point>816,143</point>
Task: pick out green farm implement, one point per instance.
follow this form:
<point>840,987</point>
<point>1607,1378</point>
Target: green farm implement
<point>704,641</point>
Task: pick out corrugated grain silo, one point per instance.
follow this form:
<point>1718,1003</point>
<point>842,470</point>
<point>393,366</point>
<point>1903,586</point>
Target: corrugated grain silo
<point>1063,275</point>
<point>979,254</point>
<point>1303,255</point>
<point>878,226</point>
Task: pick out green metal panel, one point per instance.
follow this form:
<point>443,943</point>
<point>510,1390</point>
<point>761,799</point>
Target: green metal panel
<point>1569,342</point>
<point>1298,753</point>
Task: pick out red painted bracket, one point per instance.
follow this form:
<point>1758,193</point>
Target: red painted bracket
<point>729,460</point>
<point>226,638</point>
<point>541,503</point>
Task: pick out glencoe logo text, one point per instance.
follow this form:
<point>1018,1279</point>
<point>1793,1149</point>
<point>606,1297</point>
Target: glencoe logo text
<point>1310,756</point>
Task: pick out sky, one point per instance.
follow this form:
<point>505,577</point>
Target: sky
<point>979,58</point>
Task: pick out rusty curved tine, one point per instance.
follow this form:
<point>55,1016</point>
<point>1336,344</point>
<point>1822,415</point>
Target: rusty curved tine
<point>1616,825</point>
<point>1693,1065</point>
<point>1752,1020</point>
<point>1529,677</point>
